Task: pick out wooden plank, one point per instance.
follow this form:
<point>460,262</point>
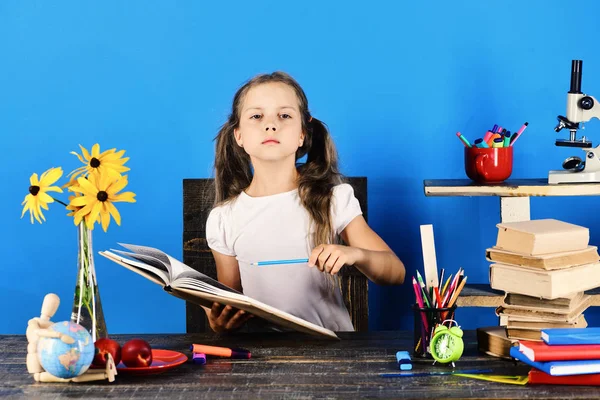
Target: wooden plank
<point>513,209</point>
<point>479,295</point>
<point>516,187</point>
<point>429,258</point>
<point>482,295</point>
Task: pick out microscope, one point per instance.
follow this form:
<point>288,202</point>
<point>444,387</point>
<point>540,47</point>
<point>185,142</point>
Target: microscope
<point>580,108</point>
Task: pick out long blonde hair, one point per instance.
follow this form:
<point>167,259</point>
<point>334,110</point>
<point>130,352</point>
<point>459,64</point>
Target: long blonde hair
<point>317,176</point>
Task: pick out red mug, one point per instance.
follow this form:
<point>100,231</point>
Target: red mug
<point>488,165</point>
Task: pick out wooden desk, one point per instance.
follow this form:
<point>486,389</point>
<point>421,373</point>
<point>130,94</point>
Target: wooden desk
<point>286,365</point>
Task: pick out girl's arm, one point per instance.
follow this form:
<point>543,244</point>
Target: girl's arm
<point>228,270</point>
<point>224,319</point>
<point>365,250</point>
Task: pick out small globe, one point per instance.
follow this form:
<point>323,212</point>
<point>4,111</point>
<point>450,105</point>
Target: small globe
<point>66,360</point>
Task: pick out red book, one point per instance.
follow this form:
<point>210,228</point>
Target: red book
<point>540,351</point>
<point>537,377</point>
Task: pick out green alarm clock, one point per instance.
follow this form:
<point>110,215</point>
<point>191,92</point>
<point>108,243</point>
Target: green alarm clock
<point>447,344</point>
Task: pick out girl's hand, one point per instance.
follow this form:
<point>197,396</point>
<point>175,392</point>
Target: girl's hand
<point>331,258</point>
<point>226,318</point>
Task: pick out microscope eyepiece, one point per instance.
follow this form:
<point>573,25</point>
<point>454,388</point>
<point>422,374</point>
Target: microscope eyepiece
<point>576,69</point>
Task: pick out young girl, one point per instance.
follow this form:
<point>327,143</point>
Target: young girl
<point>269,208</point>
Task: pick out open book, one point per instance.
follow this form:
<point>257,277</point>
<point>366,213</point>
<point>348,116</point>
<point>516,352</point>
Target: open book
<point>186,283</point>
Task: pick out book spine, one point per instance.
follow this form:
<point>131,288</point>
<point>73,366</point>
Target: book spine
<point>537,377</point>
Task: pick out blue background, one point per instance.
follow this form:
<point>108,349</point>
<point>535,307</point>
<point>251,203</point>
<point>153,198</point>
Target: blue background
<point>393,80</point>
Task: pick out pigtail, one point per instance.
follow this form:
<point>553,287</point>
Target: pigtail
<point>233,171</point>
<point>318,176</point>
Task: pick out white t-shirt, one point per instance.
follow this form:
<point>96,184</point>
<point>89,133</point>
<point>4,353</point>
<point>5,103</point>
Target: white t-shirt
<point>277,228</point>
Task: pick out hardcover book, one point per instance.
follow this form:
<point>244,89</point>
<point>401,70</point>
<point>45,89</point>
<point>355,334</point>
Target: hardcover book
<point>186,283</point>
<point>542,236</point>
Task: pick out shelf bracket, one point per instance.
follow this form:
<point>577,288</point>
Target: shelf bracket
<point>514,209</point>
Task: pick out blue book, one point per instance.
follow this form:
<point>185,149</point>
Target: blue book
<point>559,368</point>
<point>562,336</point>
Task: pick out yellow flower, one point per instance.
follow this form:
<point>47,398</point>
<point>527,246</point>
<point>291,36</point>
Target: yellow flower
<point>71,207</point>
<point>109,162</point>
<point>38,197</point>
<point>98,195</point>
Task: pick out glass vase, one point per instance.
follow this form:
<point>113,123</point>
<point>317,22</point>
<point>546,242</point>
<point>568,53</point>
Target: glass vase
<point>87,308</point>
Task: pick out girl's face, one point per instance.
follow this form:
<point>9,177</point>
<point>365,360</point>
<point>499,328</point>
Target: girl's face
<point>270,126</point>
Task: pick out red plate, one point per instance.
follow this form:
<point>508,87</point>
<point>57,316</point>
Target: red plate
<point>162,360</point>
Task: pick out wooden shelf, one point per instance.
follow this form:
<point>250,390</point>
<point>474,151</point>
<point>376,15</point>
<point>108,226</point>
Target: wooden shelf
<point>482,295</point>
<point>514,206</point>
<point>509,188</point>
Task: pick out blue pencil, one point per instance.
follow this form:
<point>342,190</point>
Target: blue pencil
<point>429,373</point>
<point>276,262</point>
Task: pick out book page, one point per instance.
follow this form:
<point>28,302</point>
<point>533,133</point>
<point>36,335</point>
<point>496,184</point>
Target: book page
<point>176,268</point>
<point>149,260</point>
<point>202,285</point>
<point>183,271</point>
<point>154,274</point>
<point>149,251</point>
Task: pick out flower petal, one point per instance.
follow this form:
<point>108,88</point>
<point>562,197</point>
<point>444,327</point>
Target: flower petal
<point>53,189</point>
<point>51,176</point>
<point>105,217</point>
<point>76,172</point>
<point>78,156</point>
<point>104,182</point>
<point>92,217</point>
<point>117,186</point>
<point>36,210</point>
<point>96,150</point>
<point>44,198</point>
<point>114,212</point>
<point>26,208</point>
<point>127,197</point>
<point>81,201</point>
<point>33,180</point>
<point>85,154</point>
<point>79,214</point>
<point>88,186</point>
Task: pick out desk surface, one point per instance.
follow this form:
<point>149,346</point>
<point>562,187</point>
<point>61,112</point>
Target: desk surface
<point>286,365</point>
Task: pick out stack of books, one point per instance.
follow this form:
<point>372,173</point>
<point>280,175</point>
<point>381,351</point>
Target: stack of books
<point>544,266</point>
<point>564,357</point>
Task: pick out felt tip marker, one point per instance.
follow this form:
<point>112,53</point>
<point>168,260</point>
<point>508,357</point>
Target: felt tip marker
<point>404,361</point>
<point>463,139</point>
<point>199,358</point>
<point>480,143</point>
<point>507,139</point>
<point>518,134</point>
<point>220,351</point>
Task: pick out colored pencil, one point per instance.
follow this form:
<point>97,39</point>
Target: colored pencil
<point>277,262</point>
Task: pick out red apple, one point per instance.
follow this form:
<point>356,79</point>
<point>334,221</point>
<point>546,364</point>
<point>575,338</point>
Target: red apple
<point>103,347</point>
<point>136,353</point>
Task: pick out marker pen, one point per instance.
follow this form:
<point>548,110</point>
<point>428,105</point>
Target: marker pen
<point>480,143</point>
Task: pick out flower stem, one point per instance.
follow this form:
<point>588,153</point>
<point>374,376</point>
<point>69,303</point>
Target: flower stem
<point>58,201</point>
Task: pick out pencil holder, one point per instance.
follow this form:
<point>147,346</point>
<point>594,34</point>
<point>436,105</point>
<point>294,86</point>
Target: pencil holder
<point>488,165</point>
<point>425,321</point>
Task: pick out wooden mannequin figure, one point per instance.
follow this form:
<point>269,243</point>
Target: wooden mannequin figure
<point>38,327</point>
